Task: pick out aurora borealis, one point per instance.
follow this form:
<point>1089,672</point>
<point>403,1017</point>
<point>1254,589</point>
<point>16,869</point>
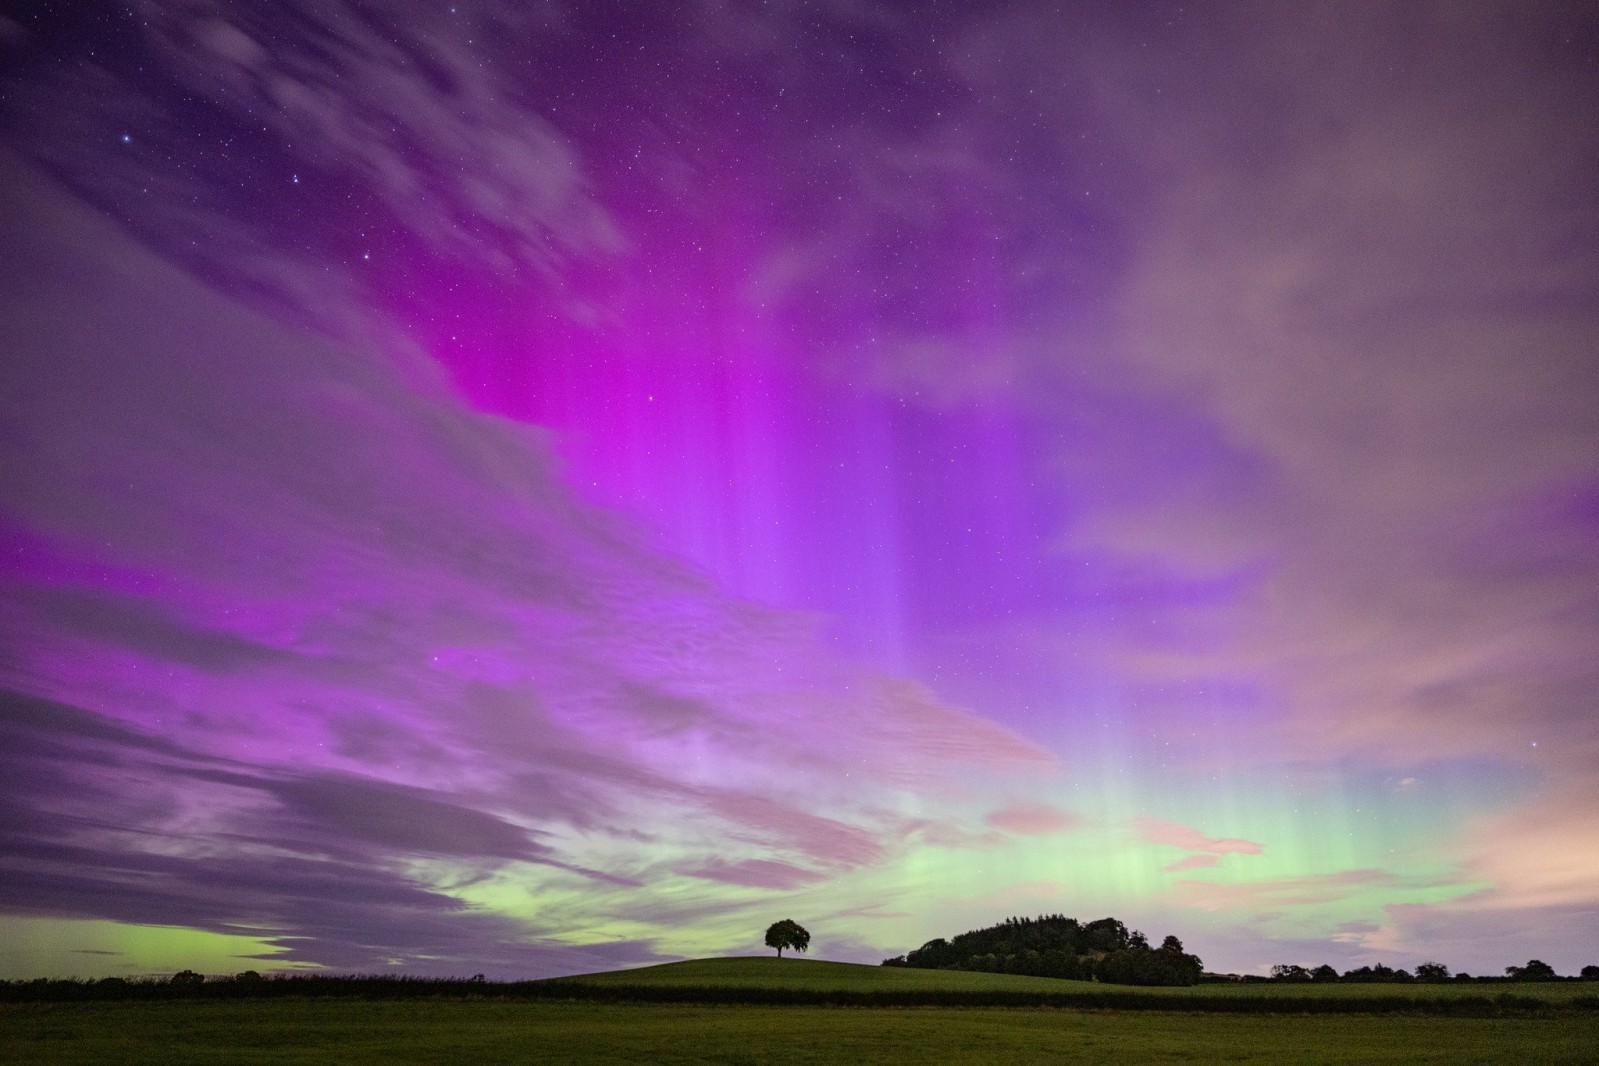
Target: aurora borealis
<point>539,488</point>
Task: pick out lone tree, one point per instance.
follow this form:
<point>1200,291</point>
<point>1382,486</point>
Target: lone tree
<point>787,934</point>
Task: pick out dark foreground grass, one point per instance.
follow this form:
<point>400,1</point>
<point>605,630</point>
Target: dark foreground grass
<point>308,1031</point>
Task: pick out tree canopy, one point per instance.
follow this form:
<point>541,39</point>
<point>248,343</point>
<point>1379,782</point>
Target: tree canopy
<point>1057,946</point>
<point>787,934</point>
<point>1535,970</point>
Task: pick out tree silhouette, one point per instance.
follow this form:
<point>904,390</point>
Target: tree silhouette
<point>1053,945</point>
<point>1104,934</point>
<point>787,934</point>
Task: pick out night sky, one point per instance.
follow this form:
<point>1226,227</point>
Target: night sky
<point>531,488</point>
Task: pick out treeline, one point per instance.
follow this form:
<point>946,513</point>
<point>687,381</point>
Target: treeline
<point>1054,945</point>
<point>1426,973</point>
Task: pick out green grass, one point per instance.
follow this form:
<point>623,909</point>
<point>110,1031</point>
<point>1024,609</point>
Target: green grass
<point>298,1031</point>
<point>811,974</point>
<point>766,971</point>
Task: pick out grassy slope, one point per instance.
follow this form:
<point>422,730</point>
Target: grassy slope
<point>765,971</point>
<point>771,972</point>
<point>298,1031</point>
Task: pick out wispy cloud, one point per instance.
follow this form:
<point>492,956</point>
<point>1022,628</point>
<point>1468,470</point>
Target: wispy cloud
<point>1279,892</point>
<point>758,873</point>
<point>1036,819</point>
<point>1175,835</point>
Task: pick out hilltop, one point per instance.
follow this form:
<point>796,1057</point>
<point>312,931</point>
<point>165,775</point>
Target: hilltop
<point>766,972</point>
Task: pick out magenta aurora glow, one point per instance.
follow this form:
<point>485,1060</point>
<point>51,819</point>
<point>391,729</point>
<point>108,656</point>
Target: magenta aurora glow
<point>536,488</point>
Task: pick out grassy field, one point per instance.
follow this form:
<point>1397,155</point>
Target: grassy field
<point>490,1026</point>
<point>769,971</point>
<point>295,1031</point>
<point>762,971</point>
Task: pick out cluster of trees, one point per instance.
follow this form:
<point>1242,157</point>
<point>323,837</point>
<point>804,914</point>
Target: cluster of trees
<point>1430,972</point>
<point>1056,946</point>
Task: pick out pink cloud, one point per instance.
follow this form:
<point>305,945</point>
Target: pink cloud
<point>1192,862</point>
<point>935,734</point>
<point>1033,820</point>
<point>949,834</point>
<point>1282,892</point>
<point>758,873</point>
<point>772,822</point>
<point>1155,831</point>
<point>1543,854</point>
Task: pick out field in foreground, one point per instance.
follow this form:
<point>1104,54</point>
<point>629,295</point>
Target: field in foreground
<point>295,1031</point>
